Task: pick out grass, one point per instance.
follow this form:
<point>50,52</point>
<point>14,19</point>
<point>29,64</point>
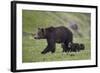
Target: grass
<point>32,52</point>
<point>31,48</point>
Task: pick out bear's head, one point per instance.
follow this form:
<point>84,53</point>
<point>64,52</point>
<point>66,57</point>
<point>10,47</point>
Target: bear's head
<point>82,47</point>
<point>40,34</point>
<point>69,45</point>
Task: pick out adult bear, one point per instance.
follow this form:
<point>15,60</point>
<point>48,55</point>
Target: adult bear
<point>55,35</point>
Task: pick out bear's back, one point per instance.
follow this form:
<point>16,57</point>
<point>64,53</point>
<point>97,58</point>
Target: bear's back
<point>62,33</point>
<point>63,30</point>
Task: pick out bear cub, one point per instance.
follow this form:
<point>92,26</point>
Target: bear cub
<point>75,47</point>
<point>55,35</point>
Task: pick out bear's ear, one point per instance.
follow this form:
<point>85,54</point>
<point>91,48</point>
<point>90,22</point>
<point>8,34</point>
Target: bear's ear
<point>43,31</point>
<point>40,28</point>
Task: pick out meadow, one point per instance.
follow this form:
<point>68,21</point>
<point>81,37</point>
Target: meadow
<point>32,48</point>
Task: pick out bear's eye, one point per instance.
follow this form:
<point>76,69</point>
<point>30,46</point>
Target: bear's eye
<point>40,33</point>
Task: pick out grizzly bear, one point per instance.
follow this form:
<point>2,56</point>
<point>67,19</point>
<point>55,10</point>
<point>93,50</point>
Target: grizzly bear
<point>55,35</point>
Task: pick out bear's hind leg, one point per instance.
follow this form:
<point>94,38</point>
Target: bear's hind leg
<point>65,48</point>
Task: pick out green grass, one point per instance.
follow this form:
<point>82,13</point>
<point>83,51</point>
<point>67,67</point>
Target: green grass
<point>31,48</point>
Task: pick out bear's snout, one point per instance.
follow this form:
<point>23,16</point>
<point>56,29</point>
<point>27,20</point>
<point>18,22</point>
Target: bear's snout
<point>36,36</point>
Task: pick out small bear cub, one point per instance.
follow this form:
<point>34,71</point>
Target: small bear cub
<point>75,47</point>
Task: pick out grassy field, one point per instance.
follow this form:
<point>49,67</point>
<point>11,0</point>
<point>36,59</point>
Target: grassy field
<point>31,48</point>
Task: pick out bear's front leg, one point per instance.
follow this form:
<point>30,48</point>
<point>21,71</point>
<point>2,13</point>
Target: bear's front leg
<point>50,47</point>
<point>45,50</point>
